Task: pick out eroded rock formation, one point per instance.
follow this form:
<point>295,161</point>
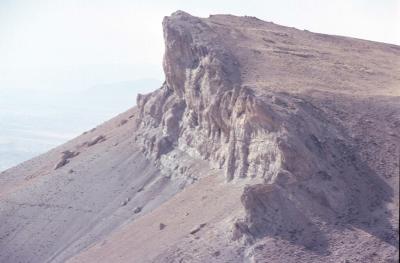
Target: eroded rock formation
<point>264,142</point>
<point>202,108</point>
<point>300,162</point>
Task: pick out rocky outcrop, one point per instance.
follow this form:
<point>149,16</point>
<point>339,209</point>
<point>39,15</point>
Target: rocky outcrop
<point>299,162</point>
<point>96,140</point>
<point>288,138</point>
<point>65,157</point>
<point>202,108</point>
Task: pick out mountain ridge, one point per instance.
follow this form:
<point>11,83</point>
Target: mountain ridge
<point>263,142</point>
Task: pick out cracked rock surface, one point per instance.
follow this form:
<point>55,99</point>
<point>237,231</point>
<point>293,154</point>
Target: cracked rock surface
<point>264,144</point>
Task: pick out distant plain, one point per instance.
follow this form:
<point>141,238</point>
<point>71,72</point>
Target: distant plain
<point>33,122</point>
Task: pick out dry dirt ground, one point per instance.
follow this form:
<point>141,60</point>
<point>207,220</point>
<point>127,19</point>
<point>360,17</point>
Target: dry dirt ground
<point>265,144</point>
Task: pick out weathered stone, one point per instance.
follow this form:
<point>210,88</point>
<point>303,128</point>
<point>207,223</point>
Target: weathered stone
<point>95,140</point>
<point>162,226</point>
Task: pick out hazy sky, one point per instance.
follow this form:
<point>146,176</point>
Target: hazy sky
<point>83,42</point>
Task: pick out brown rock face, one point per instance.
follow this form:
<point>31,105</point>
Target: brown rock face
<point>264,144</point>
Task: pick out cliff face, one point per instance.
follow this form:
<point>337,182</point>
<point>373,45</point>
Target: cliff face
<point>203,109</point>
<point>300,160</point>
<point>263,142</point>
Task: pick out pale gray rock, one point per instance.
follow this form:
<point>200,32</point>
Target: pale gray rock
<point>95,140</point>
<point>284,141</point>
<point>137,210</point>
<point>66,155</point>
<point>197,228</point>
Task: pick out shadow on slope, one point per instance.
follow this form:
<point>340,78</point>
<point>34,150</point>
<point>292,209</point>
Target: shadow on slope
<point>343,192</point>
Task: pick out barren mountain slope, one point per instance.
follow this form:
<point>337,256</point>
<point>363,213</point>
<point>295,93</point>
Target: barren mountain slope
<point>264,144</point>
